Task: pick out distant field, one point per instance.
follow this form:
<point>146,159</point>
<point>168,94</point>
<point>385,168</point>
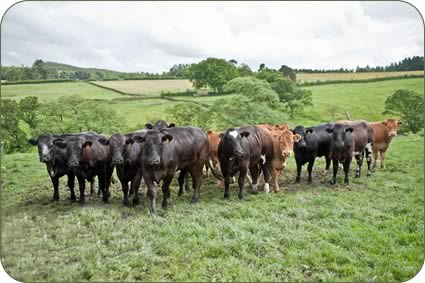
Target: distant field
<point>147,86</point>
<point>49,91</point>
<point>307,77</point>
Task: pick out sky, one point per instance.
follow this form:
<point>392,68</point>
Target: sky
<point>152,37</point>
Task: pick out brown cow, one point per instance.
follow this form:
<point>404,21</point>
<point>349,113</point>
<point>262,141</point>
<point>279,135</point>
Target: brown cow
<point>214,140</point>
<point>283,142</point>
<point>383,133</point>
<point>274,128</point>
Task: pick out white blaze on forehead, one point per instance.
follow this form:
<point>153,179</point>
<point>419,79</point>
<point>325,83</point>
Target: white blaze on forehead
<point>44,149</point>
<point>263,158</point>
<point>233,133</point>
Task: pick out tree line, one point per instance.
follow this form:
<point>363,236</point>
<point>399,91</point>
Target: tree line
<point>415,63</point>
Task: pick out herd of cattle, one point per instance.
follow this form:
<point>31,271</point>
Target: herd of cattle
<point>159,151</point>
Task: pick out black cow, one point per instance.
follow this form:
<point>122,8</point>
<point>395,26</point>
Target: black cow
<point>56,161</point>
<point>88,158</point>
<point>245,148</point>
<point>341,149</point>
<point>314,142</point>
<point>125,158</point>
<point>363,142</point>
<point>167,150</point>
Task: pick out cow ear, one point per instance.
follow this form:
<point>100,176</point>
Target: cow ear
<point>349,129</point>
<point>59,143</point>
<point>87,144</point>
<point>103,141</point>
<point>399,123</point>
<point>244,134</point>
<point>221,135</point>
<point>167,138</point>
<point>309,130</point>
<point>296,137</point>
<point>293,132</point>
<point>149,126</point>
<point>209,132</point>
<point>172,125</point>
<point>385,123</point>
<point>329,130</point>
<point>138,139</point>
<point>33,141</point>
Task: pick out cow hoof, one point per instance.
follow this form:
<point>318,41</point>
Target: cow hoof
<point>73,198</point>
<point>81,203</point>
<point>153,211</point>
<point>241,197</point>
<point>136,201</point>
<point>276,190</point>
<point>226,197</point>
<point>368,174</point>
<point>332,182</point>
<point>309,181</point>
<point>126,202</point>
<point>164,205</point>
<point>180,193</point>
<point>297,181</point>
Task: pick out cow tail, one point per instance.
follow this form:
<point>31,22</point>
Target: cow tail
<point>217,176</point>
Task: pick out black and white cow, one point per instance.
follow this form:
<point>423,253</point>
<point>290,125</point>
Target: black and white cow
<point>242,149</point>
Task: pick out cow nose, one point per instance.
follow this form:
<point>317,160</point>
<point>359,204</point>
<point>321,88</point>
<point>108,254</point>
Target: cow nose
<point>392,134</point>
<point>154,161</point>
<point>239,152</point>
<point>73,164</point>
<point>118,161</point>
<point>44,159</point>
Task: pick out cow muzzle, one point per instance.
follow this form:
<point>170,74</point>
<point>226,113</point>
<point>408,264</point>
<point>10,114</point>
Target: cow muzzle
<point>117,161</point>
<point>73,164</point>
<point>154,161</point>
<point>44,159</point>
<point>238,153</point>
<point>392,134</point>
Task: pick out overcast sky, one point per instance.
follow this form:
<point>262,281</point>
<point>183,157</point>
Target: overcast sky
<point>146,36</point>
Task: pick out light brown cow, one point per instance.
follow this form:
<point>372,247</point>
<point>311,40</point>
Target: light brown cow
<point>383,133</point>
<point>283,142</point>
<point>214,140</point>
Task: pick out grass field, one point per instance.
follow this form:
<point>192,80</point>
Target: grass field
<point>148,87</point>
<point>49,91</point>
<point>308,77</point>
<point>371,230</point>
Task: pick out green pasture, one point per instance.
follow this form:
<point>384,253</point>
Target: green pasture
<point>370,230</point>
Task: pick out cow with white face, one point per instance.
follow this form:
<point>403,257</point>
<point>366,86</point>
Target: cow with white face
<point>242,149</point>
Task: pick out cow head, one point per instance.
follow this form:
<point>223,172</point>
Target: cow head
<point>153,142</point>
<point>74,147</point>
<point>45,146</point>
<point>232,138</point>
<point>117,145</point>
<point>341,135</point>
<point>392,126</point>
<point>159,125</point>
<point>301,133</point>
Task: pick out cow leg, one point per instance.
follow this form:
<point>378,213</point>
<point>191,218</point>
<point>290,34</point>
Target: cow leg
<point>382,153</point>
<point>226,178</point>
<point>181,181</point>
<point>309,170</point>
<point>241,181</point>
<point>375,156</point>
<point>254,172</point>
<point>55,182</point>
<point>275,179</point>
<point>108,179</point>
<point>152,195</point>
<point>124,185</point>
<point>266,172</point>
<point>369,161</point>
<point>359,158</point>
<point>71,181</point>
<point>335,171</point>
<point>186,183</point>
<point>299,167</point>
<point>328,164</point>
<point>197,176</point>
<point>166,191</point>
<point>135,184</point>
<point>101,182</point>
<point>82,187</point>
<point>346,170</point>
<point>92,188</point>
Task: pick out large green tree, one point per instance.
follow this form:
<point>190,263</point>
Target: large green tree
<point>269,75</point>
<point>291,96</point>
<point>213,73</point>
<point>409,106</point>
<point>12,137</point>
